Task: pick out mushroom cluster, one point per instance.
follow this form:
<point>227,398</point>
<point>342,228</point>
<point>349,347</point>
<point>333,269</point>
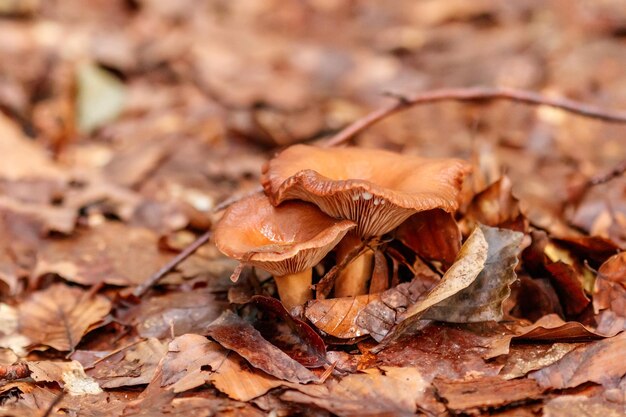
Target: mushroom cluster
<point>320,199</point>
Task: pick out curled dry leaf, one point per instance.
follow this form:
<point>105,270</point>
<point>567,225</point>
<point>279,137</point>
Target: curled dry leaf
<point>497,207</point>
<point>482,299</point>
<point>386,391</point>
<point>192,361</point>
<point>101,255</point>
<point>60,315</point>
<point>132,365</point>
<point>601,362</point>
<point>460,275</point>
<point>232,332</point>
<point>433,235</point>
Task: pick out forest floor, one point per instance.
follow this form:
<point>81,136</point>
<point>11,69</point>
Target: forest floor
<point>124,124</point>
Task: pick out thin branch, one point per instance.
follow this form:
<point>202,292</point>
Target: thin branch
<point>473,94</point>
<point>617,171</point>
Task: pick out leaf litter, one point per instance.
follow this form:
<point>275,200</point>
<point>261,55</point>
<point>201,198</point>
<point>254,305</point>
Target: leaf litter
<point>123,125</point>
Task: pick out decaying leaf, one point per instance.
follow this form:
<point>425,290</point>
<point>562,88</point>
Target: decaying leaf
<point>460,275</point>
<point>60,315</point>
<point>234,333</point>
<point>482,299</point>
<point>601,362</point>
<point>384,391</point>
<point>524,358</point>
<point>132,365</point>
<point>192,361</point>
<point>580,405</point>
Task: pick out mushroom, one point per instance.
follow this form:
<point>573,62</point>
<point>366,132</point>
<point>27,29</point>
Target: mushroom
<point>287,241</point>
<point>377,189</point>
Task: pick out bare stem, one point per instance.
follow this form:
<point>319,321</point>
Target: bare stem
<point>295,289</point>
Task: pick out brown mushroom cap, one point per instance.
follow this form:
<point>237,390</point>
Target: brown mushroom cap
<point>375,188</point>
<point>282,240</point>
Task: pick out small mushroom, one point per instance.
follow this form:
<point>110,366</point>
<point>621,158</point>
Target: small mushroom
<point>287,241</point>
<point>377,189</point>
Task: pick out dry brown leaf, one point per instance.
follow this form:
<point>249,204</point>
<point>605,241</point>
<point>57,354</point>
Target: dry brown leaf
<point>132,365</point>
<point>433,235</point>
<point>580,405</point>
<point>70,375</point>
<point>522,359</point>
<point>385,391</point>
<point>232,332</point>
<point>610,287</point>
<point>60,315</point>
<point>193,360</point>
<point>111,253</point>
<point>601,362</point>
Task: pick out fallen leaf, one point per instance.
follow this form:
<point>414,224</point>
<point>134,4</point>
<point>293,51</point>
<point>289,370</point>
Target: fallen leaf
<point>601,362</point>
<point>100,97</point>
<point>132,365</point>
<point>568,284</point>
<point>70,375</point>
<point>470,262</point>
<point>290,334</point>
<point>610,286</point>
<point>433,235</point>
<point>374,314</point>
<point>174,314</point>
<point>60,315</point>
<point>234,333</point>
<point>482,299</point>
<point>99,255</point>
<point>497,207</point>
<point>388,391</point>
<point>10,338</point>
<point>192,361</point>
<point>524,358</point>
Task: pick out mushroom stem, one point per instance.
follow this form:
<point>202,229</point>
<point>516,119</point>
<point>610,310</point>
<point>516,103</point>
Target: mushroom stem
<point>295,289</point>
<point>353,279</point>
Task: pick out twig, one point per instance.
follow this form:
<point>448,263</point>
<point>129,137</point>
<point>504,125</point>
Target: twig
<point>325,284</point>
<point>617,171</point>
<point>13,372</point>
<point>402,103</point>
<point>173,263</point>
<point>473,94</point>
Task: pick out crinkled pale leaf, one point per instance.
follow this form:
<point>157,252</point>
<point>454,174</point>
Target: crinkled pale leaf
<point>71,375</point>
<point>192,361</point>
<point>132,365</point>
<point>460,275</point>
<point>232,332</point>
<point>100,97</point>
<point>601,362</point>
<point>60,315</point>
<point>389,391</point>
<point>111,253</point>
<point>9,336</point>
<point>482,299</point>
<point>524,358</point>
